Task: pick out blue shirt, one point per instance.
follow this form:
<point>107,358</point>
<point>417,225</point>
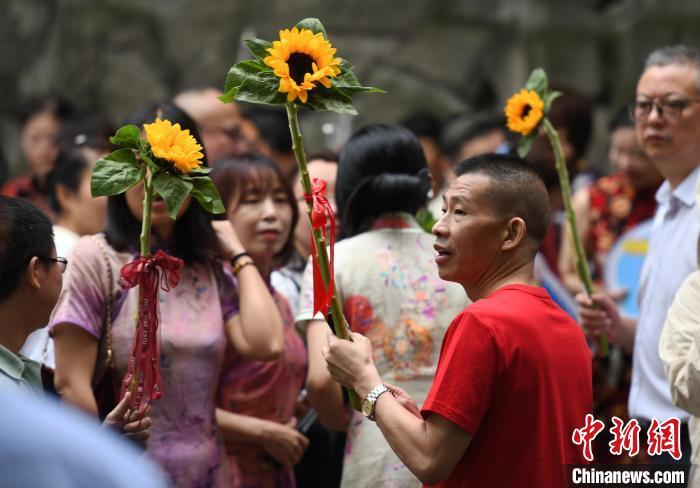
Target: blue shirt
<point>671,258</point>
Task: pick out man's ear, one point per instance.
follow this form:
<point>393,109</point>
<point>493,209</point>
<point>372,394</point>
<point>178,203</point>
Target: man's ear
<point>34,273</point>
<point>515,232</point>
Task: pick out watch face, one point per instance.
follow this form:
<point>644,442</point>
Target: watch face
<point>366,407</point>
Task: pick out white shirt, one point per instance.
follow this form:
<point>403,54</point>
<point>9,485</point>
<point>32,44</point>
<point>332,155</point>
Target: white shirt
<point>671,258</point>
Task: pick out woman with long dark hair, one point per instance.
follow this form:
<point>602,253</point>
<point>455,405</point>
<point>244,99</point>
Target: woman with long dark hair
<point>387,279</point>
<point>257,399</point>
<point>195,319</point>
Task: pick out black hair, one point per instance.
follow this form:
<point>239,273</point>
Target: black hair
<point>86,131</point>
<point>621,119</point>
<point>515,190</point>
<point>232,175</point>
<point>423,124</point>
<point>57,106</point>
<point>68,172</point>
<point>123,229</point>
<point>273,126</point>
<point>76,135</point>
<point>382,169</point>
<point>25,232</point>
<point>573,111</point>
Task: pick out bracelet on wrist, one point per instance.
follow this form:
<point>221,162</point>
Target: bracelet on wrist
<point>236,257</point>
<point>240,265</point>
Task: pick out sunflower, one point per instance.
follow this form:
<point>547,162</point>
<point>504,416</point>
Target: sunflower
<point>300,59</point>
<point>524,111</point>
<point>178,146</point>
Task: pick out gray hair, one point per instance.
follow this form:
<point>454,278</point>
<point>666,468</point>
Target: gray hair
<point>678,55</point>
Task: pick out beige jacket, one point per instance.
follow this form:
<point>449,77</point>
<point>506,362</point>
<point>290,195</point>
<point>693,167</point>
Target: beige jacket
<point>679,348</point>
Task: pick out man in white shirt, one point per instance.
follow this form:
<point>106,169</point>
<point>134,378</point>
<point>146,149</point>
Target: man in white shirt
<point>667,122</point>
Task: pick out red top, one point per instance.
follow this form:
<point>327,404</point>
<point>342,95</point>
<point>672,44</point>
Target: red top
<point>514,372</point>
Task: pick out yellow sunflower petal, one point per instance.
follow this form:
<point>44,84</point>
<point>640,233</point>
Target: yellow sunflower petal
<point>173,144</point>
<point>314,62</point>
<point>524,111</point>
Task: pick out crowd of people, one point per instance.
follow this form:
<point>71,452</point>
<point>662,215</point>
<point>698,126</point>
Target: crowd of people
<point>455,272</point>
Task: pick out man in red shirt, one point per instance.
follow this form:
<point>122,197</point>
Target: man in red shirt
<point>514,376</point>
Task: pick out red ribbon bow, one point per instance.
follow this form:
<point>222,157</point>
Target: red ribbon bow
<point>321,214</point>
<point>149,273</point>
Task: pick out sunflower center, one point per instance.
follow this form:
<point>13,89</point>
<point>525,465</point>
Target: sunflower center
<point>299,65</point>
<point>526,110</point>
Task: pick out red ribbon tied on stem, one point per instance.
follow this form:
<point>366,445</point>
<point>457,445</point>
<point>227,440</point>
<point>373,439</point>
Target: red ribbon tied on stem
<point>150,274</point>
<point>321,215</point>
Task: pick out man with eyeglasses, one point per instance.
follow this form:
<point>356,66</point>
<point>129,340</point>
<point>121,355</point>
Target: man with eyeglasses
<point>220,124</point>
<point>667,123</point>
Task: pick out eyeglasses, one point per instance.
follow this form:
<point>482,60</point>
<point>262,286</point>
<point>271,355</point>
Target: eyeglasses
<point>62,263</point>
<point>671,108</point>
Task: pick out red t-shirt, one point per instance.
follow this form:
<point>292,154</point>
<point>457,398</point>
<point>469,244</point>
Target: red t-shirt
<point>514,372</point>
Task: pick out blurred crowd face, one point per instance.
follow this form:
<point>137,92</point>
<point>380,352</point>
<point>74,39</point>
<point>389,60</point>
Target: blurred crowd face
<point>262,218</point>
<point>85,214</point>
<point>669,133</point>
<point>323,170</point>
<point>626,156</point>
<point>480,145</point>
<point>161,222</point>
<point>219,123</point>
<point>39,143</point>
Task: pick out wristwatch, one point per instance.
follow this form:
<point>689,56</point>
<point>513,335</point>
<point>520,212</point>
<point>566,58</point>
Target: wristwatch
<point>371,399</point>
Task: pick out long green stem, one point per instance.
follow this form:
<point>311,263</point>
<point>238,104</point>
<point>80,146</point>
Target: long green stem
<point>341,328</point>
<point>145,241</point>
<point>581,261</point>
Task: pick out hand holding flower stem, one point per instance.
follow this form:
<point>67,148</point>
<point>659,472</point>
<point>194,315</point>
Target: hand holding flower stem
<point>339,324</point>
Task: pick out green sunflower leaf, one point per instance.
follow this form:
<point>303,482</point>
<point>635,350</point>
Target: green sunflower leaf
<point>258,47</point>
<point>126,136</point>
<point>229,96</point>
<point>537,81</point>
<point>116,173</point>
<point>549,99</point>
<point>314,25</point>
<point>173,189</point>
<point>348,82</point>
<point>202,170</point>
<point>331,100</point>
<point>240,71</point>
<point>205,192</point>
<point>262,87</point>
<point>526,142</point>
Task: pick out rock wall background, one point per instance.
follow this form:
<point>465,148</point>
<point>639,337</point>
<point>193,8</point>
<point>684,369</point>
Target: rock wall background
<point>437,55</point>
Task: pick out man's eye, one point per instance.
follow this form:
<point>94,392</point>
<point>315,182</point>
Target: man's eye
<point>443,210</point>
<point>460,212</point>
<point>675,104</point>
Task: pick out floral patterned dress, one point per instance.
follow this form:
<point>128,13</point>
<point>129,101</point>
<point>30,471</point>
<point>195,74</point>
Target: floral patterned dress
<point>388,283</point>
<point>267,390</point>
<point>184,438</point>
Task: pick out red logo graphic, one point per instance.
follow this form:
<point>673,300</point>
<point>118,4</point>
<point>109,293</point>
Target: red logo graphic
<point>625,437</point>
<point>664,437</point>
<point>586,434</point>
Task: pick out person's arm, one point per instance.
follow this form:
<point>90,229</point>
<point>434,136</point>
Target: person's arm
<point>599,315</point>
<point>281,442</point>
<point>256,332</point>
<point>430,448</point>
<point>679,346</point>
<point>76,355</point>
<point>567,254</point>
<point>324,394</point>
